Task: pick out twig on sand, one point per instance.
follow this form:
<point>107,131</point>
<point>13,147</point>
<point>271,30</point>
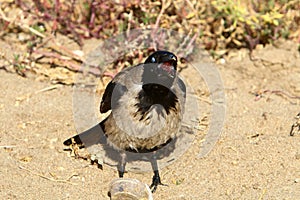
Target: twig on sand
<point>49,178</point>
<point>259,94</point>
<point>263,194</point>
<point>22,98</point>
<point>7,146</point>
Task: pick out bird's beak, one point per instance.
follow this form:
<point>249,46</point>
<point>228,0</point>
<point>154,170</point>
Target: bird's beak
<point>168,67</point>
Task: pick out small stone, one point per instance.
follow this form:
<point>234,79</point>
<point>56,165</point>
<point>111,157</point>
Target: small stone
<point>234,162</point>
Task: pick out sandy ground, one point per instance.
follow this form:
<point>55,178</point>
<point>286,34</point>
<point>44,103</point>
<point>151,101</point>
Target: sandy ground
<point>255,158</point>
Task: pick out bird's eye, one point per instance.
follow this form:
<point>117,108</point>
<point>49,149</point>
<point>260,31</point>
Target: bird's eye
<point>153,60</point>
<point>173,57</point>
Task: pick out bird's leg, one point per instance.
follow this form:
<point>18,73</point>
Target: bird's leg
<point>155,181</point>
<point>156,178</point>
<point>121,164</point>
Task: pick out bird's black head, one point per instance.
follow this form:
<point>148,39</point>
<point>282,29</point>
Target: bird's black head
<point>164,61</point>
<point>160,68</point>
<point>162,57</point>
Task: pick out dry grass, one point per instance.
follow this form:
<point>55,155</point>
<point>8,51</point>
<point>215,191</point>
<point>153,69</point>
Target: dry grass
<point>217,25</point>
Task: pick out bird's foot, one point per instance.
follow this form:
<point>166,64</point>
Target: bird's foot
<point>121,174</point>
<point>156,181</point>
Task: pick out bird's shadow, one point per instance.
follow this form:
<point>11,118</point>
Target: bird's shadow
<point>102,152</point>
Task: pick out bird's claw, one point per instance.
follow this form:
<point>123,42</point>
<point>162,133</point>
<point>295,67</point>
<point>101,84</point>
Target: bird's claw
<point>155,182</point>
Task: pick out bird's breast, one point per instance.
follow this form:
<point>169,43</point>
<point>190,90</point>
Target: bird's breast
<point>140,125</point>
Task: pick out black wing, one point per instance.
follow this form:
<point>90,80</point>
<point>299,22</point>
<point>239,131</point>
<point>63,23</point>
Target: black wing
<point>116,84</point>
<point>106,98</point>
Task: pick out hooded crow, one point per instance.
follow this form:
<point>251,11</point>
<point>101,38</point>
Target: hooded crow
<point>147,105</point>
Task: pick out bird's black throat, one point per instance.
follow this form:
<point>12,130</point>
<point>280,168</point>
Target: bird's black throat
<point>153,93</point>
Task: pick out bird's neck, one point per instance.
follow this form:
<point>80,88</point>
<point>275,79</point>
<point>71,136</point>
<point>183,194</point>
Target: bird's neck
<point>158,94</point>
<point>156,91</point>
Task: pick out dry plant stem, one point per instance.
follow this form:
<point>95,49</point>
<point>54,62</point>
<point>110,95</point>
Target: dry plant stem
<point>156,26</point>
<point>55,46</point>
<point>52,54</point>
<point>22,26</point>
<point>60,49</point>
<point>193,40</point>
<point>7,146</point>
<point>65,61</point>
<point>163,7</point>
<point>22,98</point>
<point>191,6</point>
<point>278,92</point>
<point>48,178</point>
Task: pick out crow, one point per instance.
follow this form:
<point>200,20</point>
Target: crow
<point>147,105</point>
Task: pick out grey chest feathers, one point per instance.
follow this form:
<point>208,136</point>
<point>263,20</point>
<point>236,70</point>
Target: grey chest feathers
<point>145,122</point>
